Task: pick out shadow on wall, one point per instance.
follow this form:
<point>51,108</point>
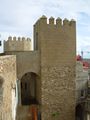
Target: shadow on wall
<point>1,95</point>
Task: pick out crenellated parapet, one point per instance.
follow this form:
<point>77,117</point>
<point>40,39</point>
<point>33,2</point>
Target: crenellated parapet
<point>17,44</point>
<point>56,22</point>
<point>52,29</point>
<point>12,39</point>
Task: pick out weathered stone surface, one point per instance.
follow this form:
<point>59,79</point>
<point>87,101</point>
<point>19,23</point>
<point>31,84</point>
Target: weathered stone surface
<point>55,98</point>
<point>8,75</point>
<point>57,46</point>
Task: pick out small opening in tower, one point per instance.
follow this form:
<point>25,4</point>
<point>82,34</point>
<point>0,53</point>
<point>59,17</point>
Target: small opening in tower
<point>0,43</point>
<point>36,40</point>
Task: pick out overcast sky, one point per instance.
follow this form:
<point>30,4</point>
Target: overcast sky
<point>18,16</point>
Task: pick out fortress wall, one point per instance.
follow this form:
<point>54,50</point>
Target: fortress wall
<point>54,60</point>
<point>57,45</point>
<point>8,73</point>
<point>27,61</point>
<point>56,39</point>
<point>58,92</point>
<point>17,44</point>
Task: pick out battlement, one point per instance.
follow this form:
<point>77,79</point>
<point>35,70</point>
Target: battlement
<point>57,22</point>
<point>19,39</point>
<point>57,38</point>
<point>17,44</point>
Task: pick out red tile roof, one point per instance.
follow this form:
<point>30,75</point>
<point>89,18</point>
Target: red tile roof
<point>86,65</point>
<point>78,58</point>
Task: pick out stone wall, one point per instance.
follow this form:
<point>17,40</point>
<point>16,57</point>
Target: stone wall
<point>57,46</point>
<point>27,61</point>
<point>58,93</point>
<point>8,73</point>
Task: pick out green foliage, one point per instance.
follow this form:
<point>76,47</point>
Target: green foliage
<point>55,114</point>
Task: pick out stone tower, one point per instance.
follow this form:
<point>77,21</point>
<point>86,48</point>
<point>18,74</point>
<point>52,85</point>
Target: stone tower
<point>56,42</point>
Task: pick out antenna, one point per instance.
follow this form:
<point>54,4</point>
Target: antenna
<point>0,40</point>
<point>82,54</point>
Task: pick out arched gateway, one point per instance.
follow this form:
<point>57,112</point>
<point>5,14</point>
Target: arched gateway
<point>28,88</point>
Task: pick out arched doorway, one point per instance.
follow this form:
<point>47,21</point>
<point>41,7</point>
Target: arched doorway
<point>28,88</point>
<point>79,112</point>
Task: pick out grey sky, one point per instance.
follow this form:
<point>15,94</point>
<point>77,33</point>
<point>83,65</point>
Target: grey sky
<point>18,16</point>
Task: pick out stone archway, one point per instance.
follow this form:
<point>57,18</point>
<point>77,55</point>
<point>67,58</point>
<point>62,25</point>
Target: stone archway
<point>79,112</point>
<point>28,88</point>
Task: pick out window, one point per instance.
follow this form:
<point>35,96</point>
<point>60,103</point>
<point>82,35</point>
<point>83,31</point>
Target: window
<point>88,90</point>
<point>82,93</point>
<point>0,43</point>
<point>36,41</point>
